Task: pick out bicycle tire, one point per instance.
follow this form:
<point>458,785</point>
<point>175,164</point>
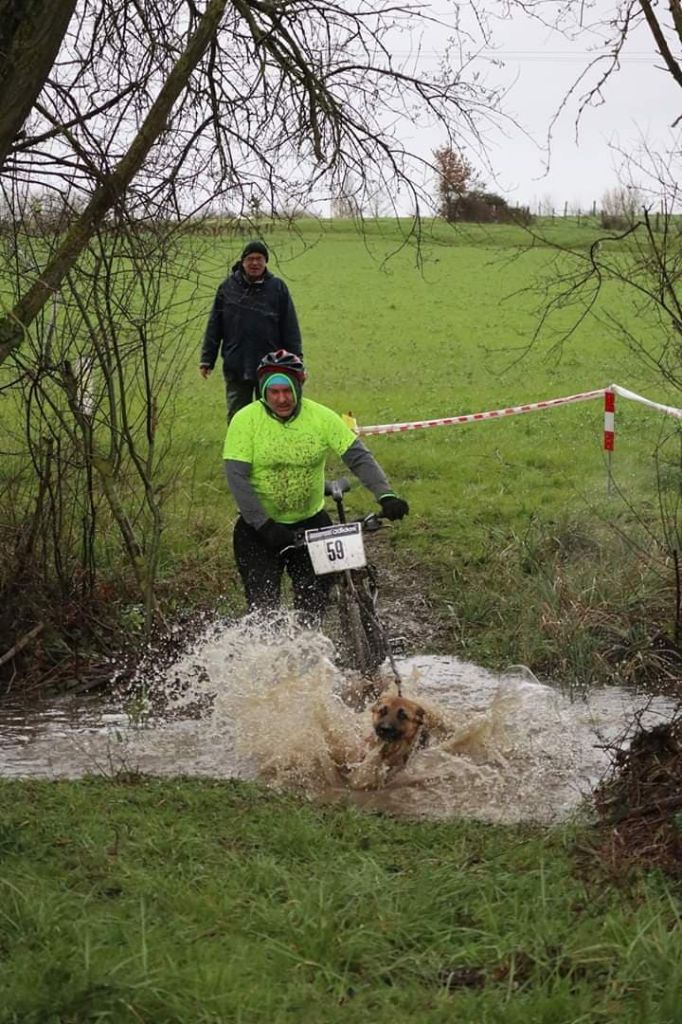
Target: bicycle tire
<point>365,643</point>
<point>366,593</point>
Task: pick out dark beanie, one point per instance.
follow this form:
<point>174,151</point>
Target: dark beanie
<point>255,246</point>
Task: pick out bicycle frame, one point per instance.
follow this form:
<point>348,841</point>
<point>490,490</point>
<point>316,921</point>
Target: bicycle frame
<point>357,587</point>
<point>358,593</point>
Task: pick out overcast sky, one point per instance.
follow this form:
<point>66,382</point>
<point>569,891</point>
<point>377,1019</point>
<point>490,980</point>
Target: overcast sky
<point>539,67</point>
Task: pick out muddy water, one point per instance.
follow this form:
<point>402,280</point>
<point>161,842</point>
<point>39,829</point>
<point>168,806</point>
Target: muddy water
<point>268,703</point>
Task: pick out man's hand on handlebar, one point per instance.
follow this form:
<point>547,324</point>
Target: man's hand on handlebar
<point>394,507</point>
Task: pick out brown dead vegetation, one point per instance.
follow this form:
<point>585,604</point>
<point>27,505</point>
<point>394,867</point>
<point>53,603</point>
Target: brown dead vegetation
<point>639,803</point>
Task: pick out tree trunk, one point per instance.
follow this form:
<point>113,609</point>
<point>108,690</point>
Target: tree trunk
<point>14,325</point>
<point>31,32</point>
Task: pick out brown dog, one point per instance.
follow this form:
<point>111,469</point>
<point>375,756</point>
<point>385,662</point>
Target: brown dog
<point>399,729</point>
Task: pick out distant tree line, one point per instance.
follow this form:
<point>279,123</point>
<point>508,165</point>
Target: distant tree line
<point>462,197</point>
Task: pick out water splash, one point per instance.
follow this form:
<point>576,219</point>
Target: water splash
<point>263,699</point>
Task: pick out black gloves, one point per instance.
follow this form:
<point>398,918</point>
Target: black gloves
<point>276,535</point>
<point>394,507</point>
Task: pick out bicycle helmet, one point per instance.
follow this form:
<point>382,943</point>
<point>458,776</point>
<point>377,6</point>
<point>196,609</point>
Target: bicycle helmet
<point>281,361</point>
<point>285,366</point>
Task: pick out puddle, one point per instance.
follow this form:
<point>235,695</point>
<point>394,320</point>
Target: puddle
<point>252,702</point>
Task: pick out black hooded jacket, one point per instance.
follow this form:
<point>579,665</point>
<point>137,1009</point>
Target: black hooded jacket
<point>247,321</point>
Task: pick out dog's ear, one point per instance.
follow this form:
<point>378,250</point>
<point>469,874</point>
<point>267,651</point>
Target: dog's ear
<point>419,714</point>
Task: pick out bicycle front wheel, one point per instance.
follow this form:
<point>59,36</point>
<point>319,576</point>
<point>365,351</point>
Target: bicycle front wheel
<point>363,637</point>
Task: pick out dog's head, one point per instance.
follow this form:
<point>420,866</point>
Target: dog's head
<point>397,719</point>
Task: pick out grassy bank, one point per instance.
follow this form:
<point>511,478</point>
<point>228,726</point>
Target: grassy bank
<point>142,901</point>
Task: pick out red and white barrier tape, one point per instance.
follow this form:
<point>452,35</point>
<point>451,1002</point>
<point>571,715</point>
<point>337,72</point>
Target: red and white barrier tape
<point>515,410</point>
<point>669,410</point>
<point>475,417</point>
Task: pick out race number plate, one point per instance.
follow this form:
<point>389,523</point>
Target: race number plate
<point>335,548</point>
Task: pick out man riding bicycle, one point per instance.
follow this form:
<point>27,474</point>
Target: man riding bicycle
<point>275,454</point>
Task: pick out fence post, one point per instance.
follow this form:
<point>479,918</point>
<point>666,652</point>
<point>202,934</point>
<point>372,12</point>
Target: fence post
<point>609,432</point>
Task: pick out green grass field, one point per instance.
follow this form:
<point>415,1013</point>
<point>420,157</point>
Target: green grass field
<point>392,342</point>
<point>395,334</point>
<point>524,553</point>
<point>212,903</point>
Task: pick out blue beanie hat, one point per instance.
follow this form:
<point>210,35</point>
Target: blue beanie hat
<point>280,378</point>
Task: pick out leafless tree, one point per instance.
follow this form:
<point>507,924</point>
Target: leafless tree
<point>124,125</point>
<point>86,475</point>
<point>345,203</point>
<point>640,250</point>
<point>164,106</point>
<point>621,206</point>
<point>31,34</point>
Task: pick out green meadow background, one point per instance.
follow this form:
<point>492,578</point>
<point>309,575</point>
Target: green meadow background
<point>525,543</point>
<point>392,342</point>
<point>396,330</point>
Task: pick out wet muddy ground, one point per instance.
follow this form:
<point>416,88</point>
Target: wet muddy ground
<point>253,701</point>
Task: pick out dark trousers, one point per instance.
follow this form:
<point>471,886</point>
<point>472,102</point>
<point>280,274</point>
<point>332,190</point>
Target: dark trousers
<point>261,571</point>
<point>239,393</point>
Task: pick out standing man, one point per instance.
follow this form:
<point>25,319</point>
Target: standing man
<point>252,314</point>
<point>275,453</point>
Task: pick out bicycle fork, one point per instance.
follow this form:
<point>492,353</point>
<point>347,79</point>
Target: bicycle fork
<point>374,594</point>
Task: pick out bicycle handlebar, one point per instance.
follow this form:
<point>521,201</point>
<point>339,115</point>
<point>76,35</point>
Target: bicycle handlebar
<point>370,523</point>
